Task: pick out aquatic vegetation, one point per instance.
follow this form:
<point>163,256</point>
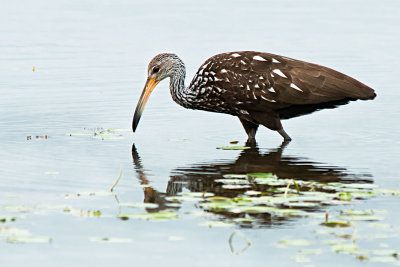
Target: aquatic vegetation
<point>248,200</point>
<point>100,133</point>
<point>155,216</point>
<point>17,235</point>
<point>233,147</point>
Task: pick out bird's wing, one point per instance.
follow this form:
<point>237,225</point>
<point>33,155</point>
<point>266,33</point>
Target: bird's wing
<point>261,80</point>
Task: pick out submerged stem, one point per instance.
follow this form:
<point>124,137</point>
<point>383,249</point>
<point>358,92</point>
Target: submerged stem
<point>118,178</point>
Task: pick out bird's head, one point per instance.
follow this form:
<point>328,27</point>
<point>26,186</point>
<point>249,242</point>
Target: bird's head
<point>160,67</point>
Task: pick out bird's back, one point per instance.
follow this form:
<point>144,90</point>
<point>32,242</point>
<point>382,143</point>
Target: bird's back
<point>247,80</point>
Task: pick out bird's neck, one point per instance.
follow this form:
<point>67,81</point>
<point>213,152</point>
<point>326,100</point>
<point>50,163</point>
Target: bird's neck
<point>177,87</point>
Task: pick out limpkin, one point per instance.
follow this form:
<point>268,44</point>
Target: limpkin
<point>258,88</point>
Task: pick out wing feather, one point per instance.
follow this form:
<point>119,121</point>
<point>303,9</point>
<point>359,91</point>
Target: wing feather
<point>264,81</point>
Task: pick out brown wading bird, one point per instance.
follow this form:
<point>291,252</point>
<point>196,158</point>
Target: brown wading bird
<point>258,88</point>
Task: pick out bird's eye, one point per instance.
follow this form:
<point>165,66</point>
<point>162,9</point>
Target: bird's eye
<point>156,69</point>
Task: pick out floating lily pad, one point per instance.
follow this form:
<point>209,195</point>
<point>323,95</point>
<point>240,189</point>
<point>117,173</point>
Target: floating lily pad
<point>380,225</point>
<point>198,194</point>
<point>235,176</point>
<point>218,198</point>
<point>252,209</point>
<point>211,224</point>
<point>262,175</point>
<point>28,239</point>
<point>350,249</point>
<point>245,220</point>
<point>139,205</point>
<point>233,147</point>
<point>336,224</point>
<point>4,219</point>
<point>232,181</point>
<point>235,186</point>
<point>252,193</point>
<point>392,192</point>
<point>389,252</point>
<point>161,215</point>
<point>17,208</point>
<point>219,206</point>
<point>301,259</point>
<point>300,204</point>
<point>384,259</point>
<point>311,251</point>
<point>345,196</point>
<point>17,235</point>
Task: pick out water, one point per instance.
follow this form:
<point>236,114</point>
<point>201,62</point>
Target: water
<point>90,61</point>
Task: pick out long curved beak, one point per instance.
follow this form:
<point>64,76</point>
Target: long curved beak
<point>148,88</point>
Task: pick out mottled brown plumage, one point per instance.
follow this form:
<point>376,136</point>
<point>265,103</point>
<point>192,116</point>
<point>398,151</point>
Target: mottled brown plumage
<point>258,88</point>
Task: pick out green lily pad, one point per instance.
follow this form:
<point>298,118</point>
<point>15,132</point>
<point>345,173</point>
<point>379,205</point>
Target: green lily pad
<point>245,220</point>
<point>183,198</point>
<point>139,205</point>
<point>384,259</point>
<point>345,196</point>
<point>350,249</point>
<point>262,175</point>
<point>156,216</point>
<point>233,147</point>
<point>252,209</point>
<point>311,251</point>
<point>4,219</point>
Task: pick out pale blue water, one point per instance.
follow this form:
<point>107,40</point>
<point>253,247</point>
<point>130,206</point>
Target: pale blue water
<point>90,60</point>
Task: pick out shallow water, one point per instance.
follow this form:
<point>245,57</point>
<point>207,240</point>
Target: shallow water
<point>90,61</point>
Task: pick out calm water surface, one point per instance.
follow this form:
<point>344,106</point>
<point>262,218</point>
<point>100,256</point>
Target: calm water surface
<point>90,60</point>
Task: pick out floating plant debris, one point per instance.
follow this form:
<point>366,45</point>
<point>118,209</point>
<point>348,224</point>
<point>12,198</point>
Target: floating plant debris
<point>233,147</point>
<point>100,133</point>
<point>156,216</point>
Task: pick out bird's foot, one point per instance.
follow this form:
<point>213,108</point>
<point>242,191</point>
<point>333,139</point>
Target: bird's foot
<point>285,136</point>
<point>251,142</point>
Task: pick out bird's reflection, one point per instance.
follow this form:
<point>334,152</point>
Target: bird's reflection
<point>200,177</point>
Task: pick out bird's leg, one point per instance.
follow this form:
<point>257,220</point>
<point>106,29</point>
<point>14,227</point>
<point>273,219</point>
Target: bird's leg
<point>285,136</point>
<point>250,128</point>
